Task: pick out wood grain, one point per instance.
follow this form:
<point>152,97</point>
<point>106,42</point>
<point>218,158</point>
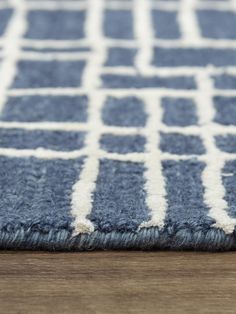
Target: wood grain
<point>117,282</point>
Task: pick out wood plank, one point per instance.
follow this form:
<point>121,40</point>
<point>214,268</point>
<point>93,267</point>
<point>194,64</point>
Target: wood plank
<point>117,282</point>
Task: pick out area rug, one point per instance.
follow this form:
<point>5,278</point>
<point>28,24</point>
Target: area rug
<point>118,124</point>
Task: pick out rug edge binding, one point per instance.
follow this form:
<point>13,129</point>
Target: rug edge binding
<point>184,238</point>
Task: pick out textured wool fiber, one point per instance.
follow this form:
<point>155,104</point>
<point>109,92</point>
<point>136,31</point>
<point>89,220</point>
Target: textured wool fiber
<point>118,124</point>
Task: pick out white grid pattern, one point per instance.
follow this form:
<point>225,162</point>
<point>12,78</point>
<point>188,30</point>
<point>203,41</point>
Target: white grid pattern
<point>11,48</point>
<point>83,189</point>
<point>152,157</point>
<point>212,181</point>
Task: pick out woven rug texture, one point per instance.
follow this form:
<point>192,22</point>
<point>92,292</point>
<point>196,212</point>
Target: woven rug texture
<point>118,124</point>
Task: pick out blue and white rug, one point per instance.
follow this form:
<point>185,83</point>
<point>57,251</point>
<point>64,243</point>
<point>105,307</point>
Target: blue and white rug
<point>118,124</point>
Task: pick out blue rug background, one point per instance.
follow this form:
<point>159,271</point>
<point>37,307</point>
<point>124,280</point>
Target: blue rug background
<point>118,124</point>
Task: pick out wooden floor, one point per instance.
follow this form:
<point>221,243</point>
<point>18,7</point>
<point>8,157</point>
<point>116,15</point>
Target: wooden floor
<point>117,282</point>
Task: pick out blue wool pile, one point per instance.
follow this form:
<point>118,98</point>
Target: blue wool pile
<point>118,124</point>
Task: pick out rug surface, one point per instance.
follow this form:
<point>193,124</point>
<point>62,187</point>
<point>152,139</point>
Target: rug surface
<point>118,124</point>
